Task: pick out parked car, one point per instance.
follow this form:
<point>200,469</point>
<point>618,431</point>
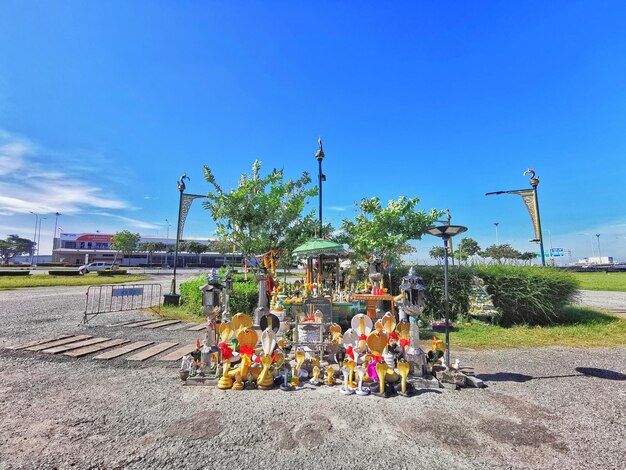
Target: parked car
<point>86,268</point>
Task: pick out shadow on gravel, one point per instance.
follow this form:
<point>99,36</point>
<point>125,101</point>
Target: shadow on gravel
<point>601,373</point>
<point>582,372</point>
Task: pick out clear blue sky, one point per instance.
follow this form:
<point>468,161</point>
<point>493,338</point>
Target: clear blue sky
<point>104,104</point>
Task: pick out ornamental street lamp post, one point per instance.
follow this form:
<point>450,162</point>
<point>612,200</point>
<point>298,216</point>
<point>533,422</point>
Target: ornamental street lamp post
<point>446,232</point>
<point>173,298</point>
<point>184,203</point>
<point>531,200</point>
<point>321,177</point>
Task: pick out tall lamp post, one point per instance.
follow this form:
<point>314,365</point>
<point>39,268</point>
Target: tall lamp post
<point>39,238</point>
<point>321,177</point>
<point>32,251</point>
<point>497,238</point>
<point>54,236</point>
<point>167,240</point>
<point>446,232</point>
<point>599,253</point>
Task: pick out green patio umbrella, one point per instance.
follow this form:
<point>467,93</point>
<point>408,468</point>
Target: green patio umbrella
<point>318,247</point>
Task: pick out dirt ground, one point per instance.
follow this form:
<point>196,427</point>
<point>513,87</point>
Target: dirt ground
<point>543,408</point>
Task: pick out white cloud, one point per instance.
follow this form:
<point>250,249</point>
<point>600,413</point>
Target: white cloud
<point>30,180</point>
<point>12,156</point>
<point>338,208</point>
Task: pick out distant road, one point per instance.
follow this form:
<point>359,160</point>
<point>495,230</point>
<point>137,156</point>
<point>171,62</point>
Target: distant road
<point>614,302</point>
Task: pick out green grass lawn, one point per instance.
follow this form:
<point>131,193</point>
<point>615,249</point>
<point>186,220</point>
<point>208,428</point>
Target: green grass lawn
<point>577,327</point>
<point>602,281</point>
<point>45,280</point>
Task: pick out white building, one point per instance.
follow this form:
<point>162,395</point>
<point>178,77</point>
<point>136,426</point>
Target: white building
<point>83,248</point>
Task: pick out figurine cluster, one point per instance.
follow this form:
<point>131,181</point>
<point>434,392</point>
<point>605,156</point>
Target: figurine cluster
<point>374,358</point>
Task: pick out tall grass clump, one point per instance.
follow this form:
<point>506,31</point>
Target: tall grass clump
<point>528,295</point>
<point>459,288</point>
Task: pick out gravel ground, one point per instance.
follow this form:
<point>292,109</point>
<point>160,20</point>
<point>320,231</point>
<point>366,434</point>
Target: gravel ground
<point>610,301</point>
<point>539,411</point>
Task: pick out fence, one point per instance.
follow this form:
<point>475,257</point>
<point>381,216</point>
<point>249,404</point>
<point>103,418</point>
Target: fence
<point>117,298</point>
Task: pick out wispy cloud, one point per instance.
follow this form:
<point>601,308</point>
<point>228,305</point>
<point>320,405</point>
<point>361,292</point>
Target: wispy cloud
<point>338,208</point>
<point>130,221</point>
<point>29,181</point>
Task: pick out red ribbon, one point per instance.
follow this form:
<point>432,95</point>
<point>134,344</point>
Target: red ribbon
<point>246,350</point>
<point>257,359</point>
<point>362,338</point>
<point>404,343</point>
<point>376,358</point>
<point>393,335</point>
<point>227,351</point>
<point>350,352</point>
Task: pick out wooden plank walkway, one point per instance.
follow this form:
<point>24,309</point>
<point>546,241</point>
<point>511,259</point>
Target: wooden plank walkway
<point>161,324</point>
<point>123,323</point>
<point>199,327</point>
<point>178,353</point>
<point>35,343</point>
<point>71,339</point>
<point>153,351</point>
<point>123,350</point>
<point>79,344</point>
<point>95,347</point>
<point>179,326</point>
<point>142,323</point>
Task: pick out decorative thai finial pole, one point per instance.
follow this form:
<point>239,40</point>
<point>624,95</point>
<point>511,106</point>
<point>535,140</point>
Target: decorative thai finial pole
<point>534,182</point>
<point>321,177</point>
<point>181,188</point>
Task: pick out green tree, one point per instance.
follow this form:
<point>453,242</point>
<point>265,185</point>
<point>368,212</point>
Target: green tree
<point>151,247</point>
<point>467,247</point>
<point>385,231</point>
<point>438,253</point>
<point>222,246</point>
<point>197,248</point>
<point>124,242</point>
<point>14,246</point>
<point>256,215</point>
<point>501,253</point>
<point>527,257</point>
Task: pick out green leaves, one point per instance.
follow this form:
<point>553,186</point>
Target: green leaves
<point>125,241</point>
<point>258,213</point>
<point>14,246</point>
<point>386,231</point>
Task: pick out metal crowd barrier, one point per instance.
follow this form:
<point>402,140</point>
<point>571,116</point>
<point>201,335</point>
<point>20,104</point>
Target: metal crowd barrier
<point>109,298</point>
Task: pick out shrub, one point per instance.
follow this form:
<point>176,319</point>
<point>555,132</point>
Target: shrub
<point>243,299</point>
<point>190,293</point>
<point>112,272</point>
<point>528,295</point>
<point>14,273</point>
<point>64,273</point>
